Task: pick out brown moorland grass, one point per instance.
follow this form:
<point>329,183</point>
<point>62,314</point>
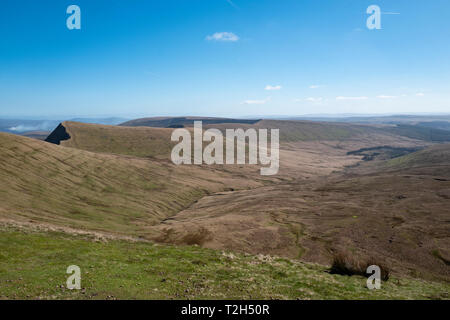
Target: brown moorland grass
<point>46,183</point>
<point>348,265</point>
<point>401,215</point>
<point>305,212</point>
<point>138,141</point>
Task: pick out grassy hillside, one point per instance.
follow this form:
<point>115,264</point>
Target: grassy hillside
<point>46,183</point>
<point>420,133</point>
<point>438,155</point>
<point>139,141</point>
<point>433,161</point>
<point>293,130</point>
<point>395,212</point>
<point>442,125</point>
<point>155,143</point>
<point>33,266</point>
<point>119,181</point>
<point>315,131</point>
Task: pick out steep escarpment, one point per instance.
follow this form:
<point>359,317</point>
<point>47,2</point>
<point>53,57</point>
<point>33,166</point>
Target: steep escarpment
<point>58,135</point>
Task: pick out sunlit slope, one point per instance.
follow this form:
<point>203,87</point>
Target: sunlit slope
<point>138,142</point>
<point>293,130</point>
<point>433,160</point>
<point>315,131</point>
<point>155,142</point>
<point>306,147</point>
<point>142,141</point>
<point>438,155</point>
<point>290,131</point>
<point>420,132</point>
<point>42,182</point>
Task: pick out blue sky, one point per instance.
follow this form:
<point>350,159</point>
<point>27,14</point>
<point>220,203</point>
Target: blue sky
<point>219,57</point>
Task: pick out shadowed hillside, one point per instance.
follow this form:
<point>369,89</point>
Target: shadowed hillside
<point>434,160</point>
<point>438,155</point>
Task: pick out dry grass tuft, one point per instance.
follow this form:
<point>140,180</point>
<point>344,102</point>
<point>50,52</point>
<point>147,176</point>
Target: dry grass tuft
<point>345,264</point>
<point>198,237</point>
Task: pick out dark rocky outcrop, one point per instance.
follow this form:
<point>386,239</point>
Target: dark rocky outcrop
<point>58,135</point>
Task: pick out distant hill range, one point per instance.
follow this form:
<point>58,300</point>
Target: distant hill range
<point>40,135</point>
<point>151,136</point>
<point>374,119</point>
<point>414,127</point>
<point>425,128</point>
<point>180,122</point>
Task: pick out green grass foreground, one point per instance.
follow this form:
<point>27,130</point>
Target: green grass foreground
<point>33,266</point>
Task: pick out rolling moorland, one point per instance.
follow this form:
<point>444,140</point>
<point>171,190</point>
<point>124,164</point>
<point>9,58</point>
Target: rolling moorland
<point>109,199</point>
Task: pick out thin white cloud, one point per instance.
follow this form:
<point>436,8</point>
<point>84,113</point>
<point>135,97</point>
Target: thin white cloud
<point>314,86</point>
<point>256,101</point>
<point>386,97</point>
<point>351,98</point>
<point>420,94</point>
<point>223,36</point>
<point>271,88</point>
<point>312,99</point>
<point>231,3</point>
